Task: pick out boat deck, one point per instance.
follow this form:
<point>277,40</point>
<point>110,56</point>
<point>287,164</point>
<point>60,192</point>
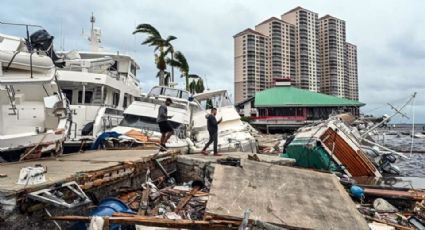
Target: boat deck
<point>67,166</point>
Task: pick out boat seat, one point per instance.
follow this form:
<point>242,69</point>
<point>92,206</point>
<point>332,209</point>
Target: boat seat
<point>10,43</point>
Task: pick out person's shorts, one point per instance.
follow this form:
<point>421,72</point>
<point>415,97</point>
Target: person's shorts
<point>165,127</point>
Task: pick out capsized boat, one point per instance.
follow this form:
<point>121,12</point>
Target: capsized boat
<point>334,145</point>
<point>34,114</point>
<point>233,134</point>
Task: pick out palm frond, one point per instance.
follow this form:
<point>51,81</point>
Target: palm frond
<point>184,65</point>
<point>170,38</point>
<point>147,28</point>
<point>149,40</point>
<point>172,62</point>
<point>195,76</point>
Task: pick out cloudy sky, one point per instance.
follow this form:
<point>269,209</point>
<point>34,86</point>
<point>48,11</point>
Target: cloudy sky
<point>390,36</point>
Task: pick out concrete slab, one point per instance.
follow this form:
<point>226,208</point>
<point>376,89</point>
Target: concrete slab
<point>190,158</point>
<point>67,166</point>
<point>291,197</point>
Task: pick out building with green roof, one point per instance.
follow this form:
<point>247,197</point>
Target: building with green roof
<point>285,106</point>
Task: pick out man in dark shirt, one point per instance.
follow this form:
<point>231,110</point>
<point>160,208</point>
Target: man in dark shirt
<point>164,126</point>
<point>212,125</point>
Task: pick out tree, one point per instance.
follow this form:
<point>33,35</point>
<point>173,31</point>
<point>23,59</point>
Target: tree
<point>179,61</point>
<point>200,86</point>
<point>162,48</point>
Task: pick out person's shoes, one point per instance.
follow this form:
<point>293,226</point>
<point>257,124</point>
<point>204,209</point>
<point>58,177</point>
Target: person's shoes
<point>205,153</point>
<point>217,154</point>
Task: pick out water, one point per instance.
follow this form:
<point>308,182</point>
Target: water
<point>415,164</point>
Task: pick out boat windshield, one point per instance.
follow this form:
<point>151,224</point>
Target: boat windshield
<point>144,123</point>
<point>169,92</point>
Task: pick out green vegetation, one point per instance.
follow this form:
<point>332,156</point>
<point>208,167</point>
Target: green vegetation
<point>163,47</point>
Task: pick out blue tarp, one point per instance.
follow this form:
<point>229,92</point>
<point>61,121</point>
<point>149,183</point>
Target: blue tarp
<point>102,137</point>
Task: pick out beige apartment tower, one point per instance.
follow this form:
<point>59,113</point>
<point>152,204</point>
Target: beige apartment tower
<point>252,68</point>
<point>332,51</point>
<point>282,48</point>
<point>351,74</point>
<point>307,52</point>
<point>312,52</point>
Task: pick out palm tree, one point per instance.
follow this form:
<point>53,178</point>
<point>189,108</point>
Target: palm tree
<point>180,62</point>
<point>162,46</point>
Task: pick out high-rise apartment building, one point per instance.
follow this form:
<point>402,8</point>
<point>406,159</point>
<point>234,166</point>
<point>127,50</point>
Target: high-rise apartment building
<point>282,47</point>
<point>252,68</point>
<point>351,74</point>
<point>332,46</point>
<point>312,52</point>
<point>307,55</point>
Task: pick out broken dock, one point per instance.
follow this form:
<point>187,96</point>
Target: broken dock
<point>261,189</point>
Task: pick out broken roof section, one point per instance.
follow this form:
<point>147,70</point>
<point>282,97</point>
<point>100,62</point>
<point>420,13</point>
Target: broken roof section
<point>289,96</point>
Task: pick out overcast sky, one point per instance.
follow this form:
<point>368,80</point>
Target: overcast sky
<point>390,37</point>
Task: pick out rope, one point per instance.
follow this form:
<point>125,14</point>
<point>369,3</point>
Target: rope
<point>11,60</point>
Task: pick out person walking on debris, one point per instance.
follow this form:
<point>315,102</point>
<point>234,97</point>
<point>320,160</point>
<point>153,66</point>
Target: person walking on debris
<point>164,126</point>
<point>212,125</point>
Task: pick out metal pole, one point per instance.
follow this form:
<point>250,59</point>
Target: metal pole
<point>102,89</point>
<point>83,95</point>
<point>388,118</point>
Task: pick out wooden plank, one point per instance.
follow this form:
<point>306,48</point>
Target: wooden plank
<point>156,222</point>
<point>144,202</point>
<point>285,196</point>
<point>182,203</point>
<point>395,194</point>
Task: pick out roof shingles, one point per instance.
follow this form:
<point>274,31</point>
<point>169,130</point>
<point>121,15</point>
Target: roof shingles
<point>288,96</point>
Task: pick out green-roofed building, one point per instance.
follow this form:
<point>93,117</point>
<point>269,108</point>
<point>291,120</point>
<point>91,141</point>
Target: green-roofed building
<point>285,106</point>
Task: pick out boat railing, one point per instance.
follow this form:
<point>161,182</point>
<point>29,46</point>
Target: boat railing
<point>94,69</point>
<point>11,94</point>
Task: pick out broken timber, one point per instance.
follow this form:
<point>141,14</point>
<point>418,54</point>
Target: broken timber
<point>156,222</point>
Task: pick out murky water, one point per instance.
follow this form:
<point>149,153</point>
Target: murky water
<point>415,164</point>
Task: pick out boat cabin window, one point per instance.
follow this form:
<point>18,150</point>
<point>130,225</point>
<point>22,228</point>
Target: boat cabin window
<point>171,92</point>
<point>116,99</point>
<point>156,91</point>
<point>114,67</point>
<point>111,111</point>
<point>68,94</point>
<point>185,95</point>
<point>127,100</point>
<point>133,68</point>
<point>144,123</point>
<point>87,97</point>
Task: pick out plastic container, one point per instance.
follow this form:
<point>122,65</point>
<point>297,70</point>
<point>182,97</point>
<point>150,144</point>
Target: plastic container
<point>357,191</point>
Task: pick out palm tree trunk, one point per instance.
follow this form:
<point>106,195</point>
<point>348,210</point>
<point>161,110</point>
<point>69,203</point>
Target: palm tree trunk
<point>186,76</point>
<point>172,67</point>
<point>161,77</point>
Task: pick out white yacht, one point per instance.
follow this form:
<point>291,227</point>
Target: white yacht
<point>34,117</point>
<point>188,120</point>
<point>99,86</point>
<point>141,116</point>
<point>233,134</point>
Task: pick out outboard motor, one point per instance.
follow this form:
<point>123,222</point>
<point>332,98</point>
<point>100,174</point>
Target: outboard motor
<point>41,40</point>
<point>386,164</point>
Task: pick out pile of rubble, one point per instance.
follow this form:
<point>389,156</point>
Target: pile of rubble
<point>176,202</point>
<point>390,208</point>
<point>270,143</point>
